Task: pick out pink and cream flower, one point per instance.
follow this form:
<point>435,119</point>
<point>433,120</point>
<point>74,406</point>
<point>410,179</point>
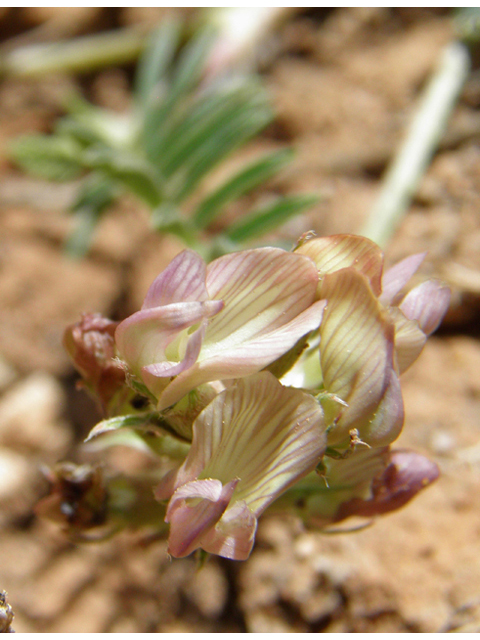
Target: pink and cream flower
<point>250,444</point>
<point>369,335</point>
<point>227,320</point>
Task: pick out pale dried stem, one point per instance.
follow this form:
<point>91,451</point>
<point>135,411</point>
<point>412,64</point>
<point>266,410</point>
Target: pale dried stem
<point>422,139</point>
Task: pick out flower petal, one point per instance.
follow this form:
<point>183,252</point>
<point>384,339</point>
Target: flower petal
<point>395,278</point>
<point>261,432</point>
<point>356,348</point>
<point>269,298</point>
<point>384,424</point>
<point>263,289</point>
<point>244,359</point>
<point>234,534</point>
<point>182,281</point>
<point>155,375</point>
<point>194,509</point>
<point>143,337</point>
<point>409,339</point>
<point>260,351</point>
<point>427,304</point>
<point>332,253</point>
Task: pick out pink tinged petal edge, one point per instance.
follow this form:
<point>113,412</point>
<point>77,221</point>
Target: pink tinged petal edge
<point>167,369</point>
<point>356,348</point>
<point>427,304</point>
<point>234,534</point>
<point>182,281</point>
<point>246,358</point>
<point>155,376</point>
<point>409,339</point>
<point>190,522</point>
<point>395,278</point>
<point>385,423</point>
<point>332,253</point>
<point>166,487</point>
<point>142,338</point>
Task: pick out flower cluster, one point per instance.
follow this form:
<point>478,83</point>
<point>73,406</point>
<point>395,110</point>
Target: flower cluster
<point>280,373</point>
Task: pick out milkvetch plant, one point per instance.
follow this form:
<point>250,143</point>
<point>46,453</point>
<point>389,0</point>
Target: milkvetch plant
<point>266,381</point>
<point>261,380</point>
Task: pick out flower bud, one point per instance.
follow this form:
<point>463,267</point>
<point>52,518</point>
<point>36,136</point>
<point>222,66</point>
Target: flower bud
<point>91,347</point>
<point>364,483</point>
<point>406,473</point>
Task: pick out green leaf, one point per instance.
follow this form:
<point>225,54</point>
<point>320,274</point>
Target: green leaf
<point>130,172</point>
<point>241,183</point>
<point>188,124</point>
<point>185,78</point>
<point>269,218</point>
<point>165,216</point>
<point>191,64</point>
<point>50,157</point>
<point>467,24</point>
<point>79,240</point>
<point>97,194</point>
<point>82,134</point>
<point>156,60</point>
<point>241,124</point>
<point>216,116</point>
<point>93,199</point>
<point>111,128</point>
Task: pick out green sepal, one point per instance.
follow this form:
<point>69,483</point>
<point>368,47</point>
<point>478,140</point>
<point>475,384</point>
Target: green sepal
<point>201,558</point>
<point>155,432</point>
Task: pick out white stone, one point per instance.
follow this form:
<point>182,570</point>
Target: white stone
<point>30,415</point>
<point>14,473</point>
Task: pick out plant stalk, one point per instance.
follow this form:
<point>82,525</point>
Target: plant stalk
<point>423,136</point>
